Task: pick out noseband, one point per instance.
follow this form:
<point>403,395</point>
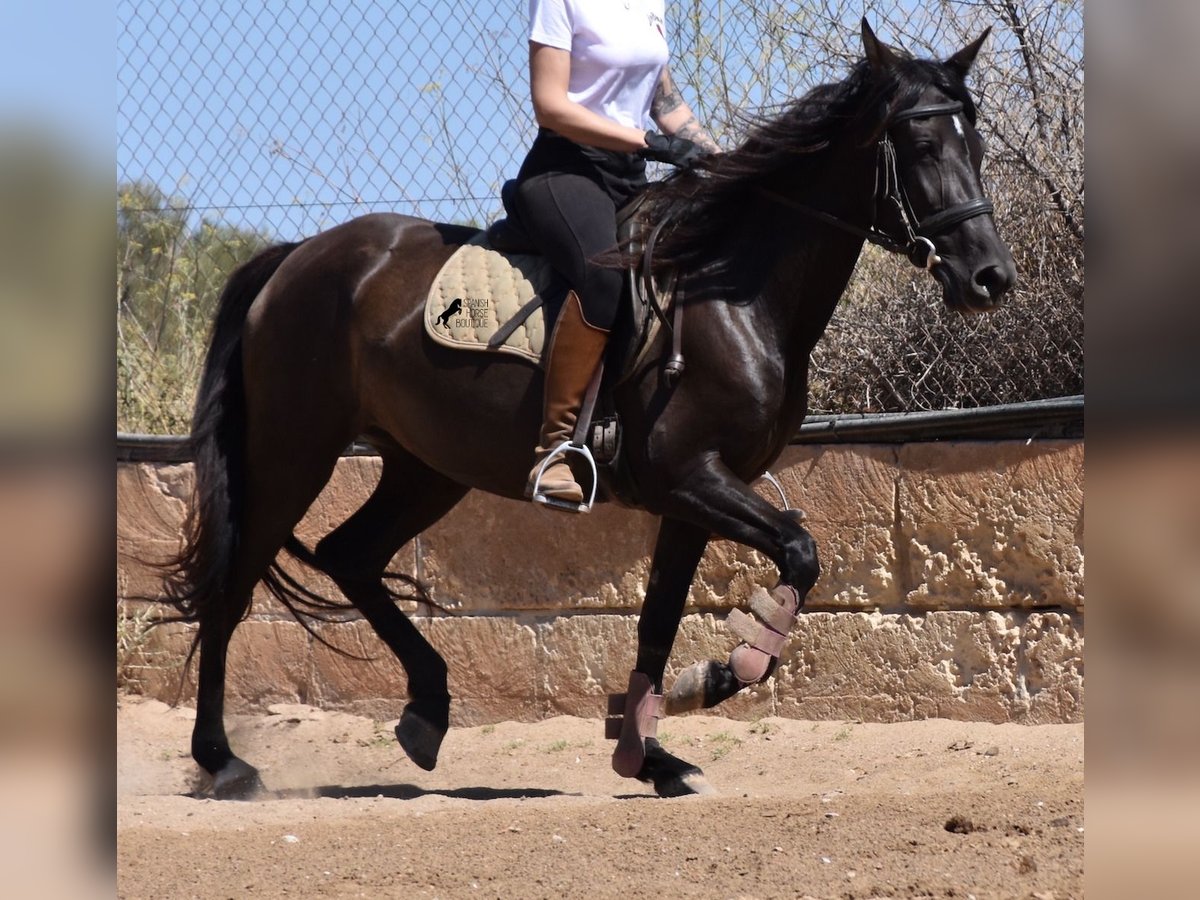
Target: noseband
<point>917,242</point>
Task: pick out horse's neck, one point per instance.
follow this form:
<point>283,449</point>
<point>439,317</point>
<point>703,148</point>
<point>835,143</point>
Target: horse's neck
<point>812,261</point>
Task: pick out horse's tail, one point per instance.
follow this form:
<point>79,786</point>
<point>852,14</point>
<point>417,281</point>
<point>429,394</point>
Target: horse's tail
<point>197,578</point>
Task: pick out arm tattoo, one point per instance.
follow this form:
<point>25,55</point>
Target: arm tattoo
<point>691,130</point>
<point>669,102</point>
<point>666,97</point>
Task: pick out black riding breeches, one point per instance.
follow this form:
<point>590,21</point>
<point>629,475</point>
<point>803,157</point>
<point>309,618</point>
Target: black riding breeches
<point>568,197</point>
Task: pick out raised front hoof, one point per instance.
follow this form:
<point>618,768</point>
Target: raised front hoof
<point>670,775</point>
<point>237,780</point>
<point>700,686</point>
<point>421,729</point>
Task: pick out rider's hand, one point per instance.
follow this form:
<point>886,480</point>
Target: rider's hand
<point>671,149</point>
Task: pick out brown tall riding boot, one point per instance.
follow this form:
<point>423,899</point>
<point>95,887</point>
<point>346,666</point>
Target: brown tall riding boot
<point>576,348</point>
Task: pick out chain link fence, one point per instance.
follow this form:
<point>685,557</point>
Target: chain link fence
<point>243,124</point>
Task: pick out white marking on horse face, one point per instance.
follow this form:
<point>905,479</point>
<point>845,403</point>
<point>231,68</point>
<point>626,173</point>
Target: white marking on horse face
<point>958,126</point>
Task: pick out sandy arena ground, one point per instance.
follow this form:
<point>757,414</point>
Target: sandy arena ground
<point>804,809</point>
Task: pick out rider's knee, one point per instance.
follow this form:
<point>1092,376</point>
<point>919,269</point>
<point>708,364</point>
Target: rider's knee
<point>600,295</point>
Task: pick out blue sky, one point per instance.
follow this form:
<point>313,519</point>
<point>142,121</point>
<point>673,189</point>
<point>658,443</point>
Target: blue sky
<point>247,110</point>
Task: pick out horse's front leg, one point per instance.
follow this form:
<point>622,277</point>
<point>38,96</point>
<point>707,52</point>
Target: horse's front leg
<point>713,498</point>
<point>638,753</point>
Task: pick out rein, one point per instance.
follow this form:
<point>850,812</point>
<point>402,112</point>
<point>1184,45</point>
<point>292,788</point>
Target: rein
<point>675,365</point>
<point>917,244</point>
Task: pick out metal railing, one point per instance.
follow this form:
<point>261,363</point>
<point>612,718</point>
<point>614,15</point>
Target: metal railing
<point>1057,418</point>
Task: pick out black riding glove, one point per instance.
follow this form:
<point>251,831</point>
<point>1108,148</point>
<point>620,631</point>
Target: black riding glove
<point>674,150</point>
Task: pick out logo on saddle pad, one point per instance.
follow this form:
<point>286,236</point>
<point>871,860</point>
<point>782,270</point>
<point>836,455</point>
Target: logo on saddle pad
<point>467,312</point>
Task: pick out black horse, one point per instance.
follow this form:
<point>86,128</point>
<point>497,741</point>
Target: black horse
<point>319,342</point>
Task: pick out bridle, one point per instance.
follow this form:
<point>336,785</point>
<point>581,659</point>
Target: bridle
<point>917,242</point>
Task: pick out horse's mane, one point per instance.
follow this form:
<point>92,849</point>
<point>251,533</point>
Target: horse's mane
<point>784,148</point>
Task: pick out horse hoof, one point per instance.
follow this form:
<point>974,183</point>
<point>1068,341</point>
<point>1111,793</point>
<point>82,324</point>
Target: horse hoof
<point>687,693</point>
<point>686,784</point>
<point>700,686</point>
<point>421,729</point>
<point>237,780</point>
<point>670,775</point>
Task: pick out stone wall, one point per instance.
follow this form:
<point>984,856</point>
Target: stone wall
<point>952,586</point>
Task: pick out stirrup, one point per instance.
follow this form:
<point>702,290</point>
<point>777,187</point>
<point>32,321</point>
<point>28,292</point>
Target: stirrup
<point>567,446</point>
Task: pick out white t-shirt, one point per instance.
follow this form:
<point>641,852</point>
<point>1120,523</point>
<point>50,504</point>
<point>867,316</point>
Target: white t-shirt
<point>617,53</point>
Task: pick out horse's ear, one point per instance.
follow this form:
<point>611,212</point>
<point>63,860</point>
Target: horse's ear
<point>962,61</point>
<point>879,55</point>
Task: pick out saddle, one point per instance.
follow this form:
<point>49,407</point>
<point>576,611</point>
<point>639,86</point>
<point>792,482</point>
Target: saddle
<point>508,235</point>
<point>496,293</point>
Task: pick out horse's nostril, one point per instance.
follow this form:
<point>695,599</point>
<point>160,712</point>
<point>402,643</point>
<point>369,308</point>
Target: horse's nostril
<point>993,280</point>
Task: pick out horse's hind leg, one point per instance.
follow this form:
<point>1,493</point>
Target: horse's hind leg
<point>408,499</point>
<point>277,497</point>
<point>232,777</point>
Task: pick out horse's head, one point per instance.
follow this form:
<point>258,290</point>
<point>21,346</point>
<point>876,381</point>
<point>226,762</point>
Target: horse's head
<point>930,157</point>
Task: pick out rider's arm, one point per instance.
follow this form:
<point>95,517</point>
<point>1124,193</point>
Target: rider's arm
<point>549,75</point>
<point>672,114</point>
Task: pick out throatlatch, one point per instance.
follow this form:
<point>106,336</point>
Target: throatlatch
<point>752,660</point>
<point>632,717</point>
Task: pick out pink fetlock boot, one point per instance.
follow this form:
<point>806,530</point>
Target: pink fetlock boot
<point>752,660</point>
<point>633,717</point>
